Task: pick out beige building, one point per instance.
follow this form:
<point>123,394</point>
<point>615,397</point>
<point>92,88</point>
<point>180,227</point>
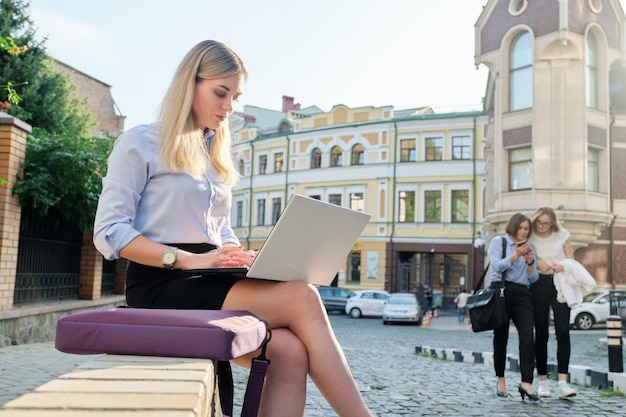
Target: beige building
<point>556,136</point>
<point>417,173</point>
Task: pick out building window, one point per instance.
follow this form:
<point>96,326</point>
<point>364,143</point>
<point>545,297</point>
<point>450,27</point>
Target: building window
<point>334,199</point>
<point>593,170</point>
<point>278,162</point>
<point>358,154</point>
<point>260,212</point>
<point>276,209</point>
<point>239,214</point>
<point>356,201</point>
<point>262,164</point>
<point>432,206</point>
<point>461,147</point>
<point>591,56</point>
<point>354,267</point>
<point>520,169</point>
<point>336,157</point>
<point>460,206</point>
<point>316,158</point>
<point>241,167</point>
<point>434,149</point>
<point>517,7</point>
<point>521,73</point>
<point>406,207</point>
<point>407,150</point>
<point>316,197</point>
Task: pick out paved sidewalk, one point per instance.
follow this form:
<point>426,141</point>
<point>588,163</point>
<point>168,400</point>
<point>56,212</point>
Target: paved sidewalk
<point>393,379</point>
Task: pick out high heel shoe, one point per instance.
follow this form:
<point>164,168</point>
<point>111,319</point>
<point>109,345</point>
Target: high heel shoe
<point>499,393</point>
<point>523,392</point>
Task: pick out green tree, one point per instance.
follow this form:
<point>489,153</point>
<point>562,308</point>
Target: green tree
<point>47,98</point>
<point>63,173</point>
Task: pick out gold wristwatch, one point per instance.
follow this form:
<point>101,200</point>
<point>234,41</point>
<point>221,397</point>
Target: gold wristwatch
<point>169,258</point>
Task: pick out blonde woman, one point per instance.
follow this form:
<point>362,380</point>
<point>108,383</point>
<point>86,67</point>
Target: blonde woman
<point>553,248</point>
<point>165,206</point>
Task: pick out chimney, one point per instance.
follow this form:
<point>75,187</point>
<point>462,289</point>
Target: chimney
<point>289,105</point>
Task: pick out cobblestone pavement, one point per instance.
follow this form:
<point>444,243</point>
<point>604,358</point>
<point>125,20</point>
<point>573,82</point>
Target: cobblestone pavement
<point>392,378</point>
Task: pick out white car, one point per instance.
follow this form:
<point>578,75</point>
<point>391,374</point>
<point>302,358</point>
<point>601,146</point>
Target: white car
<point>594,309</point>
<point>367,303</point>
<point>402,307</point>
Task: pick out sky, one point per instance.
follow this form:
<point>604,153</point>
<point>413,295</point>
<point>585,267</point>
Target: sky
<point>404,53</point>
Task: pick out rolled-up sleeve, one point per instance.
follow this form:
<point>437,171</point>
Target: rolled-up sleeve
<point>141,196</point>
<point>126,177</point>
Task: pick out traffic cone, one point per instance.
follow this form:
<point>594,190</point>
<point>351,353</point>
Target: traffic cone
<point>426,320</point>
<point>436,314</point>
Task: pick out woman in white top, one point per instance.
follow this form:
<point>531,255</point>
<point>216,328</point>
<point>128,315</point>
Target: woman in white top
<point>553,246</point>
<point>165,206</point>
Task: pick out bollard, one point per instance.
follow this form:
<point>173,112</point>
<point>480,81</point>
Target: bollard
<point>614,343</point>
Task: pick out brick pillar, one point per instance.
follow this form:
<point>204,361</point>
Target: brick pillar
<point>120,276</point>
<point>90,270</point>
<point>13,134</point>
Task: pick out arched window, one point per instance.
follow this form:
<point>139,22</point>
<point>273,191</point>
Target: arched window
<point>316,158</point>
<point>336,157</point>
<point>521,73</point>
<point>591,58</point>
<point>358,154</point>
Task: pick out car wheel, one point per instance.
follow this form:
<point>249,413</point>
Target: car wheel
<point>584,321</point>
<point>355,313</point>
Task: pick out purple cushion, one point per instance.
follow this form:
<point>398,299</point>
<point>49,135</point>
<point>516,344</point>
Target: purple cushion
<point>208,334</point>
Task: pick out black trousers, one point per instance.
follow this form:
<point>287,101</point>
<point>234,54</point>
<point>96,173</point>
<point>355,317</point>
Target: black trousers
<point>544,297</point>
<point>519,308</point>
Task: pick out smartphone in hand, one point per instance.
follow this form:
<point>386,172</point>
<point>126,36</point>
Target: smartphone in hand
<point>521,243</point>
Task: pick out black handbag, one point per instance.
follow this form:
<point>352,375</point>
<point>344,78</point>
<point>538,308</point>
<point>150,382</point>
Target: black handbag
<point>487,308</point>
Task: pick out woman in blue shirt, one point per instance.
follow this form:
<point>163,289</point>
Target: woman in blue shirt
<point>165,206</point>
<point>518,266</point>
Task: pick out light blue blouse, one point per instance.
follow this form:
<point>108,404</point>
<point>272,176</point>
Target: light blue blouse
<point>140,196</point>
<point>517,271</point>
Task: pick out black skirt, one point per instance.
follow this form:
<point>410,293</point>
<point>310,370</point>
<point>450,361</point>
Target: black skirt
<point>152,287</point>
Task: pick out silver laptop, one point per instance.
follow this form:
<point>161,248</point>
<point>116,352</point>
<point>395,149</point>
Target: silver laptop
<point>310,242</point>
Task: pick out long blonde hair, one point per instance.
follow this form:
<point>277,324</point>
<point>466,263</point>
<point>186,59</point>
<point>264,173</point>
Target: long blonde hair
<point>183,146</point>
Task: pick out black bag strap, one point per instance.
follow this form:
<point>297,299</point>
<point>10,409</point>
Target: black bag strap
<point>254,389</point>
<point>479,285</point>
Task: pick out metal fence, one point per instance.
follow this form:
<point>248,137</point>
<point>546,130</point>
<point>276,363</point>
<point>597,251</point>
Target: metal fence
<point>48,261</point>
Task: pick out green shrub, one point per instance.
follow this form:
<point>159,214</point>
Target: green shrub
<point>64,172</point>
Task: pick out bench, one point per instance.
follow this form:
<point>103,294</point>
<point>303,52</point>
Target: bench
<point>177,379</point>
<point>126,385</point>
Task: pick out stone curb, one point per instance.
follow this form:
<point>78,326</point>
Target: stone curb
<point>579,375</point>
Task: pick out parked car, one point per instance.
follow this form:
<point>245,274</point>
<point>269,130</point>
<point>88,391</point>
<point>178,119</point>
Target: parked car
<point>402,307</point>
<point>594,309</point>
<point>335,298</point>
<point>367,303</point>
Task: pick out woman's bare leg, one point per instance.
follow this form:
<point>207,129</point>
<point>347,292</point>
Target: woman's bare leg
<point>286,375</point>
<point>296,306</point>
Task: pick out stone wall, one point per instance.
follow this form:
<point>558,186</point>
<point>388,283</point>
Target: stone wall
<point>37,323</point>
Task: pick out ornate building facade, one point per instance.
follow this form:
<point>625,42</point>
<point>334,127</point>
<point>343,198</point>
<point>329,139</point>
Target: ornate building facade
<point>418,173</point>
<point>557,122</point>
